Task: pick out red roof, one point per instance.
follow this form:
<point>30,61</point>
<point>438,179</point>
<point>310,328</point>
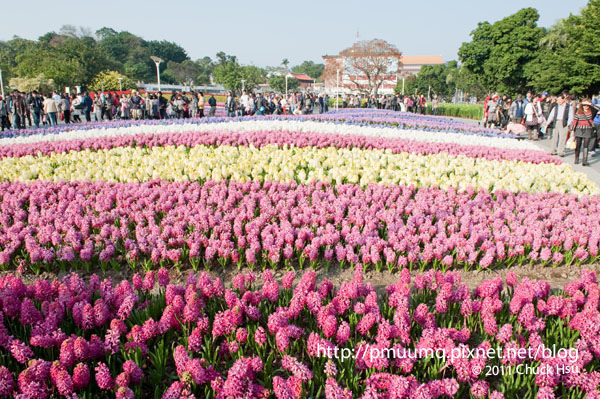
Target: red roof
<point>303,76</point>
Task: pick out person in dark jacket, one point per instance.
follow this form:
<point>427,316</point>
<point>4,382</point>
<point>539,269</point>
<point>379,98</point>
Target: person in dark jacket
<point>162,106</point>
<point>87,106</point>
<point>212,103</point>
<point>36,105</point>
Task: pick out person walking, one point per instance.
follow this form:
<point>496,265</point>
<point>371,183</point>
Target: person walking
<point>98,106</point>
<point>533,117</point>
<point>583,128</point>
<point>228,104</point>
<point>201,105</point>
<point>76,103</point>
<point>3,114</point>
<point>212,102</point>
<point>517,109</point>
<point>36,105</point>
<point>65,107</point>
<point>87,106</point>
<point>559,120</point>
<point>51,109</point>
<point>136,104</point>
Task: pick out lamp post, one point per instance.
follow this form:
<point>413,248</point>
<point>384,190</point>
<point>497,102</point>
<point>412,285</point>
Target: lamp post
<point>1,83</point>
<point>120,85</point>
<point>286,86</point>
<point>403,85</point>
<point>243,85</point>
<point>157,61</point>
<point>337,89</point>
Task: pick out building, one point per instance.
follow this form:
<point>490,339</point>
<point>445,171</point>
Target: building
<point>305,80</point>
<point>411,65</point>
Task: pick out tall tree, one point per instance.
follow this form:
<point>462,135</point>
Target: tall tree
<point>367,64</point>
<point>570,55</point>
<point>497,55</point>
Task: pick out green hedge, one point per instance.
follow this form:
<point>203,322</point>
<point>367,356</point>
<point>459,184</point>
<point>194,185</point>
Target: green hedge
<point>469,111</point>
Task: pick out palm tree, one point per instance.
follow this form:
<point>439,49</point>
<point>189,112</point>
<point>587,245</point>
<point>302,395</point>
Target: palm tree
<point>285,63</point>
<point>556,36</point>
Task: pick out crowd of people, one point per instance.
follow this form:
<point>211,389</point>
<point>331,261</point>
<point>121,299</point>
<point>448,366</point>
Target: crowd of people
<point>275,104</point>
<point>21,110</point>
<point>561,118</point>
<point>28,110</point>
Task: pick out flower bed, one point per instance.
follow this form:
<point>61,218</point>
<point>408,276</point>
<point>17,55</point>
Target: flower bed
<point>283,191</point>
<point>374,118</point>
<point>89,225</point>
<point>427,337</point>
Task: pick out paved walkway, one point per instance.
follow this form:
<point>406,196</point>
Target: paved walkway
<point>592,171</point>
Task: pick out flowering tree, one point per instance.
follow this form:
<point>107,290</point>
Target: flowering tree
<point>366,64</point>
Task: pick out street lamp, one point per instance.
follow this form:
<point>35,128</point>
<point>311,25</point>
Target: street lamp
<point>286,87</point>
<point>157,61</point>
<point>243,85</point>
<point>120,85</point>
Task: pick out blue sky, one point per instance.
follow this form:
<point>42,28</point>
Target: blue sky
<point>264,32</point>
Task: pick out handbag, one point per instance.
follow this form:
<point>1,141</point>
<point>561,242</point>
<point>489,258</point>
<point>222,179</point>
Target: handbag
<point>534,118</point>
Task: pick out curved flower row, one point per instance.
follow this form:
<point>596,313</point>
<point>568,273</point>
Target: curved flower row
<point>298,338</point>
<point>303,165</point>
<point>83,224</point>
<point>281,138</point>
<point>364,117</point>
<point>251,125</point>
<point>406,119</point>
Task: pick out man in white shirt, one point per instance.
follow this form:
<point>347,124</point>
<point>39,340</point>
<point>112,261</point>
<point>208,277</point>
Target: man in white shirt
<point>560,118</point>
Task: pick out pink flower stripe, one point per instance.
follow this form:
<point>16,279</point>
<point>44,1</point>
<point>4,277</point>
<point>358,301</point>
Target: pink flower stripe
<point>263,138</point>
<point>553,338</point>
<point>275,222</point>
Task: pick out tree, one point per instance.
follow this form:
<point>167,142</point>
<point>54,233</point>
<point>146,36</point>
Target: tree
<point>39,83</point>
<point>229,75</point>
<point>62,70</point>
<point>440,79</point>
<point>166,50</point>
<point>285,64</point>
<point>310,68</point>
<point>497,55</point>
<point>111,81</point>
<point>367,64</point>
<point>185,72</point>
<point>277,83</point>
<point>223,58</point>
<point>570,55</point>
<point>253,76</point>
